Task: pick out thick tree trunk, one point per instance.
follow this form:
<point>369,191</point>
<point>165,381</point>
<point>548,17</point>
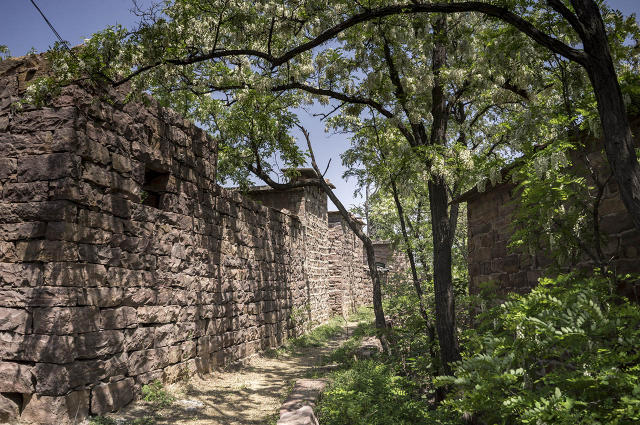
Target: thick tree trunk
<point>377,286</point>
<point>442,279</point>
<point>439,205</point>
<point>618,140</point>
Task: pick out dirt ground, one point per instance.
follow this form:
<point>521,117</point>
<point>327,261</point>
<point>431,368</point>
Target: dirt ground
<point>250,394</point>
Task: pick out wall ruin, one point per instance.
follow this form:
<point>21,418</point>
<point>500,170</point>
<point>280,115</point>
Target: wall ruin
<point>489,217</point>
<point>122,261</point>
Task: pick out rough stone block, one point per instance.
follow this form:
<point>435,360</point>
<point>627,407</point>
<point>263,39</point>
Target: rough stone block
<point>158,314</point>
<point>74,274</point>
<point>20,231</point>
<point>147,360</point>
<point>39,296</point>
<point>52,379</point>
<point>46,251</point>
<point>16,378</point>
<point>25,192</point>
<point>37,348</point>
<point>100,221</point>
<point>89,372</point>
<point>139,338</point>
<point>20,275</point>
<point>15,320</point>
<point>73,232</point>
<point>94,151</point>
<point>9,410</point>
<point>118,276</point>
<point>37,211</point>
<point>101,297</point>
<point>119,318</point>
<point>70,409</point>
<point>46,167</point>
<point>8,167</point>
<point>112,396</point>
<point>139,296</point>
<point>98,344</point>
<point>65,320</point>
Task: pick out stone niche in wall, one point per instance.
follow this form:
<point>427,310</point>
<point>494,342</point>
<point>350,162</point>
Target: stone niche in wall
<point>123,262</point>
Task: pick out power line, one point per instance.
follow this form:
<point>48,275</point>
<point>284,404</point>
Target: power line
<point>63,42</point>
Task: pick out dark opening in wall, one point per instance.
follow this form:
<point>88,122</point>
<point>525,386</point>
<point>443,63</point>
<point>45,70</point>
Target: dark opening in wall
<point>155,184</point>
<point>16,398</point>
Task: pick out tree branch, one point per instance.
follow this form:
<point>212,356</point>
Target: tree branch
<point>498,12</point>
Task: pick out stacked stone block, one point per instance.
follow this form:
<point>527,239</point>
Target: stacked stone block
<point>490,215</point>
<point>122,261</point>
<point>349,283</point>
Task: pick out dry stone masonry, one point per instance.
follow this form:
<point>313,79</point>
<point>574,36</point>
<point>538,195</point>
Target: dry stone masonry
<point>122,261</point>
<point>489,217</point>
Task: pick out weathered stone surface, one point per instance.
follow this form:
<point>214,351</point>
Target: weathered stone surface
<point>37,211</point>
<point>158,314</point>
<point>147,360</point>
<point>119,318</point>
<point>98,344</point>
<point>25,192</point>
<point>65,320</point>
<point>75,274</point>
<point>139,338</point>
<point>52,379</point>
<point>369,347</point>
<point>46,251</point>
<point>38,296</point>
<point>21,231</point>
<point>38,348</point>
<point>301,416</point>
<point>14,320</point>
<point>9,410</point>
<point>63,410</point>
<point>16,378</point>
<point>8,167</point>
<point>46,167</point>
<point>110,397</point>
<point>20,275</point>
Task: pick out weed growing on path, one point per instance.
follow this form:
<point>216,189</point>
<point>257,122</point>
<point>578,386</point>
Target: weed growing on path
<point>155,394</point>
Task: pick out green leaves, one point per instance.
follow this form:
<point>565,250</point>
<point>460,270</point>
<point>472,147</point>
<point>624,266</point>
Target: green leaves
<point>560,355</point>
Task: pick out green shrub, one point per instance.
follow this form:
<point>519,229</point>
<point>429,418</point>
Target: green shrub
<point>370,394</point>
<point>102,420</point>
<point>567,353</point>
<point>318,336</point>
<point>155,394</point>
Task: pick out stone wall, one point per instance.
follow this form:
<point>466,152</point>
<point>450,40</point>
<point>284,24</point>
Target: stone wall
<point>349,283</point>
<point>121,260</point>
<point>489,216</point>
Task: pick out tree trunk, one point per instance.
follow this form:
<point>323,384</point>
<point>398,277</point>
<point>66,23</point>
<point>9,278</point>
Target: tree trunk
<point>377,286</point>
<point>439,202</point>
<point>442,279</point>
<point>355,227</point>
<point>618,140</point>
<point>412,262</point>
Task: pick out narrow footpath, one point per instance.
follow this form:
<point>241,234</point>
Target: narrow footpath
<point>248,394</point>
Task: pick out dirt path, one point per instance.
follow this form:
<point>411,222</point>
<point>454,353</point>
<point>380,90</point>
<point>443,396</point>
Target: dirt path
<point>246,395</point>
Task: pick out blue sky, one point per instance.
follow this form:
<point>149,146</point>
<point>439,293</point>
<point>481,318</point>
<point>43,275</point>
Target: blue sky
<point>22,28</point>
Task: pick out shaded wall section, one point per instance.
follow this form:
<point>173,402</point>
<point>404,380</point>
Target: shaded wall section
<point>490,228</point>
<point>121,260</point>
<point>349,282</point>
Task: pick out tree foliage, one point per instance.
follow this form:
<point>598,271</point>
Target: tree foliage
<point>566,353</point>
